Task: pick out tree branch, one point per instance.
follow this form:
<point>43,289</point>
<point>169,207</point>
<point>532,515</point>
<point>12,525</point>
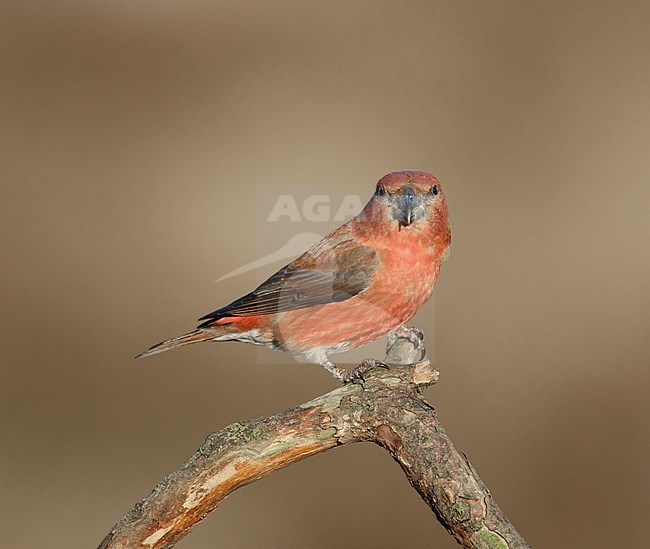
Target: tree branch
<point>387,409</point>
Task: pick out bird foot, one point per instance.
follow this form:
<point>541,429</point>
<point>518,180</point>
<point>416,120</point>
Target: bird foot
<point>357,374</point>
<point>413,334</point>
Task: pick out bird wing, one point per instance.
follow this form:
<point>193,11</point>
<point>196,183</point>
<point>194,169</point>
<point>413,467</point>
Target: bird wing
<point>324,274</point>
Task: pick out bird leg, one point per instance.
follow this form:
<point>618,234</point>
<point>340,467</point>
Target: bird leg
<point>356,374</point>
<point>337,372</point>
<point>413,334</point>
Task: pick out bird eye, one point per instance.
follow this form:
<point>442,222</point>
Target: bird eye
<point>381,190</point>
<point>434,190</point>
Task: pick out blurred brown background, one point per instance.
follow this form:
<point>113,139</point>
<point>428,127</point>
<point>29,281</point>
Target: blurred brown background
<point>134,135</point>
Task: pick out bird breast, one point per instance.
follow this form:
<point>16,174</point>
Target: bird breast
<point>401,284</point>
<point>405,282</point>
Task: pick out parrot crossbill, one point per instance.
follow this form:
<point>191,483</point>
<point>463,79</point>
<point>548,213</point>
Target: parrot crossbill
<point>359,283</point>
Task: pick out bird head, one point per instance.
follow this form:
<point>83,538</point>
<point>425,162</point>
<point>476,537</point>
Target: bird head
<point>408,199</point>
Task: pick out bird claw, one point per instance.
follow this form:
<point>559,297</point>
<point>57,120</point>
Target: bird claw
<point>357,374</point>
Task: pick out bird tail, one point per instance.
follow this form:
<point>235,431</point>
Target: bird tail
<point>186,339</point>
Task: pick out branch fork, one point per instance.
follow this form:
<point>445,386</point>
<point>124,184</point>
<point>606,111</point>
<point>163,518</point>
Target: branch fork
<point>386,407</point>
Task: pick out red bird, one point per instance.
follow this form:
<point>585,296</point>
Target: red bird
<point>361,282</point>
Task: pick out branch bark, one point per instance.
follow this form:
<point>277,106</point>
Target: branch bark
<point>387,408</point>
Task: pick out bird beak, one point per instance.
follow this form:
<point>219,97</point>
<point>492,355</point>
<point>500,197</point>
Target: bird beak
<point>407,207</point>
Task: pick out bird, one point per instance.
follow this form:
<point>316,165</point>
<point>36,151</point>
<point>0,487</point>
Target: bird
<point>361,282</point>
